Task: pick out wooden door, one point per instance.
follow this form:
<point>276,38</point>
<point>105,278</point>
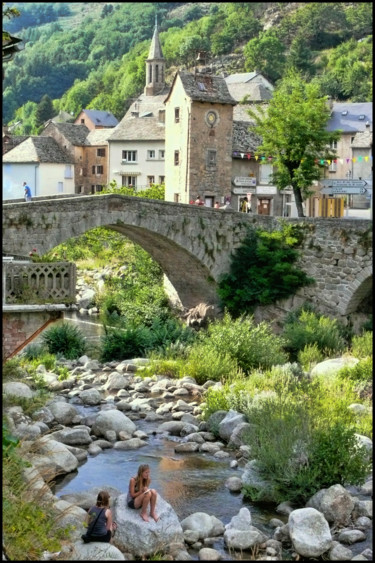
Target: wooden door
<point>264,206</point>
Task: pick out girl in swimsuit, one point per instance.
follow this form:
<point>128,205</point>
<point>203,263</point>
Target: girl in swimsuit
<point>140,495</point>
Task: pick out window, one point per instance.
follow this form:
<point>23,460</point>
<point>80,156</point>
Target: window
<point>150,73</point>
<point>129,156</point>
<point>177,115</point>
<point>161,179</point>
<point>99,188</point>
<point>176,158</point>
<point>176,198</point>
<point>156,73</point>
<point>82,121</point>
<point>352,139</point>
<point>211,157</point>
<point>265,171</point>
<point>68,171</point>
<point>332,167</point>
<point>333,145</point>
<point>130,181</point>
<point>150,154</point>
<point>99,169</point>
<point>100,152</point>
<point>361,117</point>
<point>150,180</point>
<point>161,155</point>
<point>93,170</point>
<point>60,187</point>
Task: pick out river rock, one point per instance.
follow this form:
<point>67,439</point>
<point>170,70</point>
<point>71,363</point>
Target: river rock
<point>252,478</point>
<point>234,484</point>
<point>72,516</point>
<point>132,444</point>
<point>340,553</point>
<point>209,554</point>
<point>145,538</point>
<point>72,436</point>
<point>229,423</point>
<point>351,536</point>
<point>309,532</point>
<point>331,367</point>
<point>93,551</point>
<point>335,503</point>
<point>112,420</point>
<point>240,534</point>
<point>53,458</point>
<point>90,397</point>
<point>17,389</point>
<point>62,412</point>
<point>204,524</point>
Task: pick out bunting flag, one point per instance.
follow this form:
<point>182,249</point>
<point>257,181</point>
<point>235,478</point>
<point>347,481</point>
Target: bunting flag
<point>321,161</point>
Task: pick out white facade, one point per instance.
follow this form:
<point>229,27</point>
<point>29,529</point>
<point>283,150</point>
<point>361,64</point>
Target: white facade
<point>43,178</point>
<point>137,163</point>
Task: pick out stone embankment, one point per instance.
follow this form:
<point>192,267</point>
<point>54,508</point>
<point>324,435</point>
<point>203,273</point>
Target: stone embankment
<point>57,438</point>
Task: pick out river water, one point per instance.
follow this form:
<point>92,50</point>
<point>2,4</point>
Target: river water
<point>189,482</point>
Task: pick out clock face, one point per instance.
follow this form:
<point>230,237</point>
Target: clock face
<point>211,118</point>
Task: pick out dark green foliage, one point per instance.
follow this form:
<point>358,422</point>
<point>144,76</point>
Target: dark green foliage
<point>135,341</point>
<point>9,442</point>
<point>262,271</point>
<point>44,110</point>
<point>66,340</point>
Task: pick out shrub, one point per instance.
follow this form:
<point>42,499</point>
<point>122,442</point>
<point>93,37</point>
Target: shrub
<point>66,340</point>
<point>362,345</point>
<point>311,328</point>
<point>205,363</point>
<point>310,356</point>
<point>249,344</point>
<point>12,369</point>
<point>262,271</point>
<point>360,372</point>
<point>214,400</point>
<point>122,344</point>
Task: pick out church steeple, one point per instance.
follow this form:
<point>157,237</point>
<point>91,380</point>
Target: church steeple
<point>155,65</point>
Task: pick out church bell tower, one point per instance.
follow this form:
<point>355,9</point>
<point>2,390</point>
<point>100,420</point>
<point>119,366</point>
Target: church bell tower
<point>155,66</point>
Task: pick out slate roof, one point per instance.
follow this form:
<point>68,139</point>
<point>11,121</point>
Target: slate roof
<point>75,134</point>
<point>102,118</point>
<point>38,149</point>
<point>12,141</point>
<point>139,129</point>
<point>255,92</point>
<point>204,88</point>
<point>241,77</point>
<point>99,136</point>
<point>243,139</point>
<point>350,122</point>
<point>145,104</point>
<point>62,117</point>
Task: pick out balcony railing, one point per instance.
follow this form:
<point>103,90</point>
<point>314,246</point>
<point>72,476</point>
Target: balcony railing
<point>38,283</point>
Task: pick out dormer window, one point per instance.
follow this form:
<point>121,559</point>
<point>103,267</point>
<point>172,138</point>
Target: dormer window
<point>361,117</point>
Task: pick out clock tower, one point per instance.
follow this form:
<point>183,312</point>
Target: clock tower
<point>198,143</point>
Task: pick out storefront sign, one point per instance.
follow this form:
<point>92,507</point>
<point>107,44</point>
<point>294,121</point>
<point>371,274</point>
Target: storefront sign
<point>244,181</point>
<point>266,190</point>
<point>242,191</point>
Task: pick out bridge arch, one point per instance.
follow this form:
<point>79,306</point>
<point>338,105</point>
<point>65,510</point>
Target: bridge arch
<point>193,244</point>
<point>358,290</point>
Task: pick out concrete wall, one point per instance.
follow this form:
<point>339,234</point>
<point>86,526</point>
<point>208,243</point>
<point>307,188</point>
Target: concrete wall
<point>193,244</point>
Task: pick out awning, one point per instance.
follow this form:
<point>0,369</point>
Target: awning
<point>126,173</point>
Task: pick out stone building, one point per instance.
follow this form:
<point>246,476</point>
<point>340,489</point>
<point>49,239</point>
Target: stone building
<point>198,146</point>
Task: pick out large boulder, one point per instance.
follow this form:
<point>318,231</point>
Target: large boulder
<point>52,458</point>
<point>62,412</point>
<point>93,551</point>
<point>240,534</point>
<point>335,503</point>
<point>309,532</point>
<point>113,420</point>
<point>331,367</point>
<point>142,538</point>
<point>229,423</point>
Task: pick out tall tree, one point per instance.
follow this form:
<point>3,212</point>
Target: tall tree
<point>44,110</point>
<point>293,132</point>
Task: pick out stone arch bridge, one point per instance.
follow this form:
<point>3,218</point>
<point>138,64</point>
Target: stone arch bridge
<point>193,245</point>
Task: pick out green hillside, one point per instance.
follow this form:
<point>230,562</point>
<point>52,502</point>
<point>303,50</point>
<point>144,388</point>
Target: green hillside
<point>92,55</point>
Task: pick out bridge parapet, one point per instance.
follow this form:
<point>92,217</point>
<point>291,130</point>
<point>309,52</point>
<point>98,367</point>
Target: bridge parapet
<point>33,283</point>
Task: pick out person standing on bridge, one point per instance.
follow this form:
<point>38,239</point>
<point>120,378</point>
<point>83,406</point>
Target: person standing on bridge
<point>27,192</point>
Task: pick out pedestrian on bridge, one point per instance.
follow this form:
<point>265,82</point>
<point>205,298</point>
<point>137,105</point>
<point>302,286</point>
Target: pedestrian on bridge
<point>27,192</point>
